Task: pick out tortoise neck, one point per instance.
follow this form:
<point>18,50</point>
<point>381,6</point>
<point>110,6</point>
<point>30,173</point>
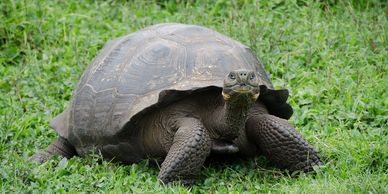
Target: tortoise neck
<point>235,115</point>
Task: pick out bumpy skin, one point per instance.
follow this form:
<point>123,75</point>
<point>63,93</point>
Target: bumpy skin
<point>187,154</point>
<point>281,143</point>
<point>60,147</point>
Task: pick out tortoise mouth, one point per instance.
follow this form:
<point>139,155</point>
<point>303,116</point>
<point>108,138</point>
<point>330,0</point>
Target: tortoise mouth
<point>243,89</point>
<point>239,92</point>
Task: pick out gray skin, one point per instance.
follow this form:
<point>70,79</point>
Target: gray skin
<point>161,93</point>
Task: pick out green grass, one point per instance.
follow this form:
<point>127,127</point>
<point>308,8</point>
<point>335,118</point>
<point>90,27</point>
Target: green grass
<point>331,55</point>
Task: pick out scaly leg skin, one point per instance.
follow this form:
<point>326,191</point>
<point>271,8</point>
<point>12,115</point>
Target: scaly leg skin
<point>191,146</point>
<point>59,147</point>
<point>281,143</point>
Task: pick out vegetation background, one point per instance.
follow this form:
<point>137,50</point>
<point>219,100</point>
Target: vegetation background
<point>332,56</point>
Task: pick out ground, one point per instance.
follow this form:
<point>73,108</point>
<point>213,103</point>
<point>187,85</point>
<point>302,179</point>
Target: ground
<point>331,55</point>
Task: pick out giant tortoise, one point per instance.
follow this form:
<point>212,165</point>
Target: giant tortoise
<point>177,93</point>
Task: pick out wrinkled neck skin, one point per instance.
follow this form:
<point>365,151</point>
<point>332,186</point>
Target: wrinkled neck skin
<point>234,115</point>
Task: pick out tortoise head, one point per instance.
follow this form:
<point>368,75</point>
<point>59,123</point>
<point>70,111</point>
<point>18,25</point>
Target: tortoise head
<point>241,84</point>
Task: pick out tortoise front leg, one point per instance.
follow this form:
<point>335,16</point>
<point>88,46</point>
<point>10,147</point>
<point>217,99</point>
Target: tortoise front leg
<point>191,146</point>
<point>281,143</point>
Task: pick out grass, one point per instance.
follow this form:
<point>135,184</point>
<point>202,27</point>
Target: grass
<point>331,55</point>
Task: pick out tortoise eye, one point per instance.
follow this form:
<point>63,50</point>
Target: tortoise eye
<point>252,76</point>
<point>232,76</point>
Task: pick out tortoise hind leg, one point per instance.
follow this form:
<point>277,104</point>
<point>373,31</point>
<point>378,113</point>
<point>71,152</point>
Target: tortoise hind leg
<point>60,147</point>
<point>281,143</point>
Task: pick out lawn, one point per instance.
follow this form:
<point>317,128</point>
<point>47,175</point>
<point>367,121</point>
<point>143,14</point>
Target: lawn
<point>331,55</point>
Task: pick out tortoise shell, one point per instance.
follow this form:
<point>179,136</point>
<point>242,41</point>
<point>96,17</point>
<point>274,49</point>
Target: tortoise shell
<point>159,64</point>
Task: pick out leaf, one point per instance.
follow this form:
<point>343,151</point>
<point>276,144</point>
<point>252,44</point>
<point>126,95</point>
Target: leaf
<point>62,164</point>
